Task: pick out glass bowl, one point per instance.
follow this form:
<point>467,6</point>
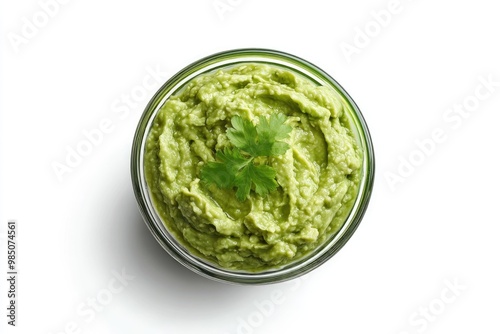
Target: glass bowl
<point>202,266</point>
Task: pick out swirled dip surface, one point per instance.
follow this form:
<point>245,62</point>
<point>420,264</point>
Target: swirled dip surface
<point>318,176</point>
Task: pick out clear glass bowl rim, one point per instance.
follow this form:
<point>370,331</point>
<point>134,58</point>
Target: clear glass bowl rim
<point>200,266</point>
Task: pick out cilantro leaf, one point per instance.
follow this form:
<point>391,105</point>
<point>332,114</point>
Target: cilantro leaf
<point>243,183</point>
<point>262,176</point>
<point>270,132</point>
<point>263,139</point>
<point>244,135</point>
<point>223,173</point>
<point>232,158</point>
<point>236,167</point>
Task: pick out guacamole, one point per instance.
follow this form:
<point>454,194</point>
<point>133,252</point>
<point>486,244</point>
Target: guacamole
<point>318,177</point>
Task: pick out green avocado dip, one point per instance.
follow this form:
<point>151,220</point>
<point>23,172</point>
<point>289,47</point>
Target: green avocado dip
<point>317,178</point>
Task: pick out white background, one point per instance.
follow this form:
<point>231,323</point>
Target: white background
<point>437,226</point>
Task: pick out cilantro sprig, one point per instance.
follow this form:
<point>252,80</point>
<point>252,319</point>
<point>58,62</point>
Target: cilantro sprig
<point>236,167</point>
